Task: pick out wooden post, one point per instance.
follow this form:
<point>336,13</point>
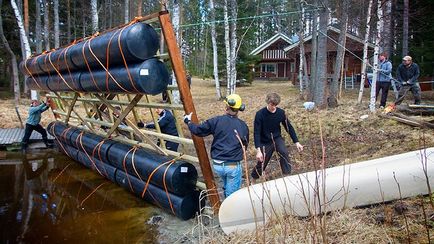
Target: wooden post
<point>184,90</point>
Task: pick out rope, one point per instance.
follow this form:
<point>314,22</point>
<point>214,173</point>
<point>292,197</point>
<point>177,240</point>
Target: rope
<point>108,58</point>
<point>123,58</point>
<point>87,64</point>
<point>124,164</point>
<point>84,150</point>
<point>107,72</point>
<point>59,74</point>
<point>28,71</point>
<point>90,194</point>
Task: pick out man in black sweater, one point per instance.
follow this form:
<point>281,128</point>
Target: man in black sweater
<point>268,137</point>
<point>226,149</point>
<point>167,124</point>
<point>407,74</point>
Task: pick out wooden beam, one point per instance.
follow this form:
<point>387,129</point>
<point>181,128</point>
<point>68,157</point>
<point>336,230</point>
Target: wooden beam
<point>124,114</point>
<point>133,126</point>
<point>71,107</point>
<point>115,102</point>
<point>78,115</point>
<point>184,90</point>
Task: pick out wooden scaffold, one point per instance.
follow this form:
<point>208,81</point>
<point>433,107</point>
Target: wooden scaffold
<point>102,113</point>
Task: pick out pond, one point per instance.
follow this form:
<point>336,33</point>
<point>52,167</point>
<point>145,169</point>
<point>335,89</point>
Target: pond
<point>46,197</point>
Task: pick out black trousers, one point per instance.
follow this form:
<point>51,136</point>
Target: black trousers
<point>384,86</point>
<point>28,132</point>
<point>280,147</point>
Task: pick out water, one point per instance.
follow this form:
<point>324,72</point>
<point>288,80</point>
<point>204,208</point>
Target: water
<point>45,197</point>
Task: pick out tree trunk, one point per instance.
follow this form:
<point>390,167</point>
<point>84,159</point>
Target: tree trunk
<point>365,52</point>
<point>14,65</point>
<point>387,34</point>
<point>320,86</point>
<point>26,16</point>
<point>176,18</point>
<point>313,59</point>
<point>110,22</point>
<point>38,27</point>
<point>228,48</point>
<point>340,54</point>
<point>233,45</point>
<point>56,24</point>
<point>24,40</point>
<point>127,11</point>
<point>405,29</point>
<point>301,76</point>
<point>94,15</point>
<point>46,24</point>
<point>376,51</point>
<point>139,7</point>
<point>214,51</point>
<point>68,21</point>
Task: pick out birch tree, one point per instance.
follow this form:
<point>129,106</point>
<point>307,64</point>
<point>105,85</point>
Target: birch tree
<point>24,40</point>
<point>127,11</point>
<point>302,72</point>
<point>214,50</point>
<point>233,45</point>
<point>176,22</point>
<point>365,52</point>
<point>227,47</point>
<point>38,27</point>
<point>376,51</point>
<point>340,54</point>
<point>46,24</point>
<point>56,23</point>
<point>68,21</point>
<point>94,15</point>
<point>321,82</point>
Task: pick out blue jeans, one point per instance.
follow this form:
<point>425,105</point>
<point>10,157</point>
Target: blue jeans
<point>230,175</point>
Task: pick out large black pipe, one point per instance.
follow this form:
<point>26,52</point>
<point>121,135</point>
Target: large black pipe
<point>130,44</point>
<point>148,77</point>
<point>183,207</point>
<point>103,169</point>
<point>178,176</point>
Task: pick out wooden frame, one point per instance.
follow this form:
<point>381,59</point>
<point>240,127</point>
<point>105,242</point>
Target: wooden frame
<point>105,118</point>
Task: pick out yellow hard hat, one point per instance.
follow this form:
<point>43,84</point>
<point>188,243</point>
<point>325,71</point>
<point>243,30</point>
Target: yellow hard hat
<point>234,101</point>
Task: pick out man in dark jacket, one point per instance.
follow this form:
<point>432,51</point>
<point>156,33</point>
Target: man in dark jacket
<point>226,149</point>
<point>268,137</point>
<point>407,74</point>
<point>32,123</point>
<point>167,124</point>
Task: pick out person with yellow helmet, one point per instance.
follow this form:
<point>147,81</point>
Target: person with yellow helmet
<point>226,150</point>
<point>268,138</point>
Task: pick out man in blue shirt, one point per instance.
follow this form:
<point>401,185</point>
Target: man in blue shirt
<point>227,152</point>
<point>32,123</point>
<point>384,78</point>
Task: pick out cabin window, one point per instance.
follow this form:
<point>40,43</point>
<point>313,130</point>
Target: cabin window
<point>268,68</point>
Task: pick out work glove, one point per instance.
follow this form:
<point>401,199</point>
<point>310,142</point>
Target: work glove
<point>140,124</point>
<point>187,117</point>
<point>404,83</point>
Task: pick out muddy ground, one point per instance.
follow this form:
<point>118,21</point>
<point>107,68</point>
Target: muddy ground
<point>349,133</point>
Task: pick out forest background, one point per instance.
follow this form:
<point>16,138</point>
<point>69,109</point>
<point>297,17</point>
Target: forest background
<point>216,36</point>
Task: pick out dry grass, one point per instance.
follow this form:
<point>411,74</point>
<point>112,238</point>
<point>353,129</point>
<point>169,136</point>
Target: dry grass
<point>347,137</point>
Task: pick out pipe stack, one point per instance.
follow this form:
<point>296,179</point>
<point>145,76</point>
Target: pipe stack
<point>161,180</point>
<point>119,61</point>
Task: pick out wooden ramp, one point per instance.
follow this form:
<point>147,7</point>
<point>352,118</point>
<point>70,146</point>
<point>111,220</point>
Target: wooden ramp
<point>13,136</point>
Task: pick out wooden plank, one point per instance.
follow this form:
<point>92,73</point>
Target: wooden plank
<point>71,107</point>
<point>124,114</point>
<point>134,127</point>
<point>184,90</point>
<point>77,114</point>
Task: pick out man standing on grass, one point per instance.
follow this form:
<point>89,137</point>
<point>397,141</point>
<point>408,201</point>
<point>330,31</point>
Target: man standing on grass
<point>407,74</point>
<point>268,137</point>
<point>35,111</point>
<point>226,149</point>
